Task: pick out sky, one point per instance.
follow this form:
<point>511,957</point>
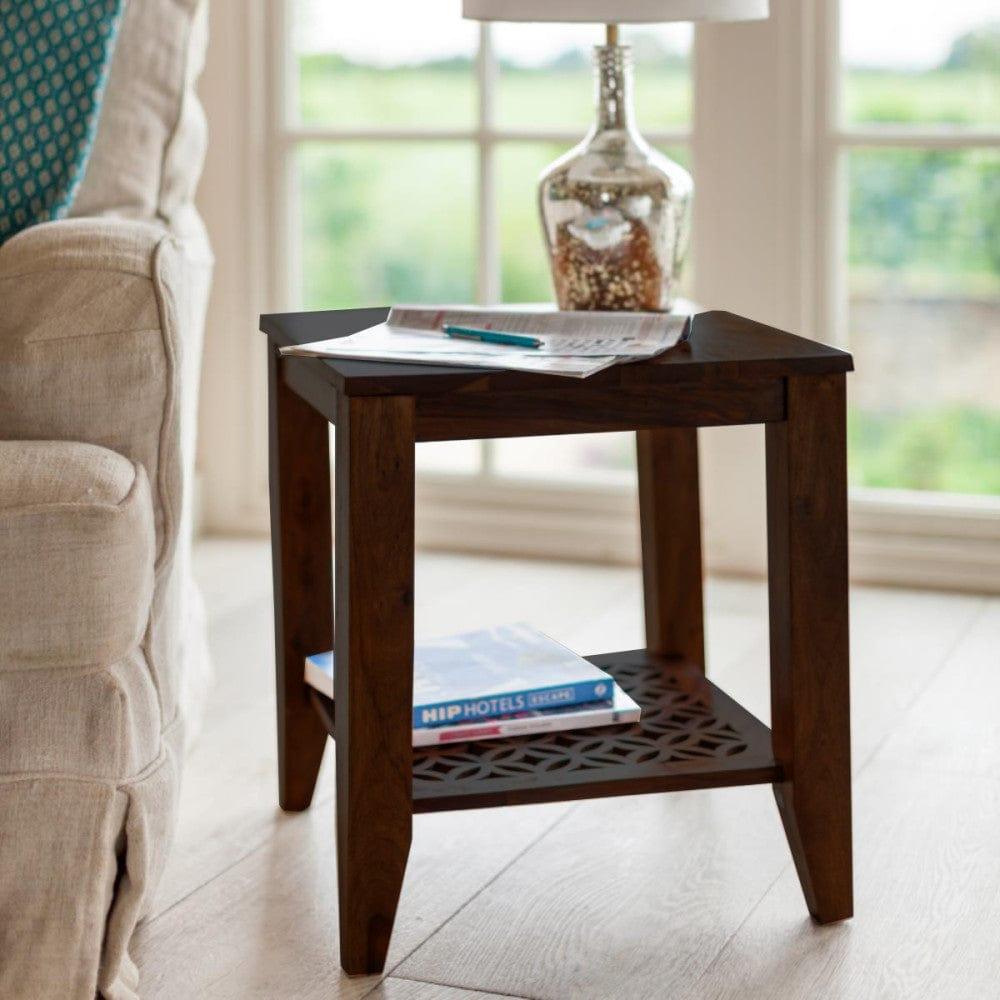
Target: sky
<point>912,34</point>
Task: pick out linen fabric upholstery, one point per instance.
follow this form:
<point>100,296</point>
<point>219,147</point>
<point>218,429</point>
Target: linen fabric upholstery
<point>82,528</point>
<point>103,658</point>
<point>150,142</point>
<point>60,472</point>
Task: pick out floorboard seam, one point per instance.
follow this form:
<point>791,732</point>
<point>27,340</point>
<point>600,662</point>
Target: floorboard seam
<point>729,940</point>
<point>473,989</point>
<point>513,861</point>
<point>868,761</point>
<point>149,921</point>
<point>900,717</point>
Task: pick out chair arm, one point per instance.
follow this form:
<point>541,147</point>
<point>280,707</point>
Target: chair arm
<point>89,342</point>
<point>76,547</point>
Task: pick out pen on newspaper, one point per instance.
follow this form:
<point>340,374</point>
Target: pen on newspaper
<point>491,337</point>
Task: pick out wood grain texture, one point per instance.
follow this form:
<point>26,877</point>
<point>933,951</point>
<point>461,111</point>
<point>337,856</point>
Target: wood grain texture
<point>670,524</point>
<point>227,803</point>
<point>305,378</point>
<point>953,727</point>
<point>691,735</point>
<point>267,927</point>
<point>373,682</point>
<point>303,579</point>
<point>808,596</point>
<point>251,918</point>
<point>625,899</point>
<point>928,906</point>
<point>901,642</point>
<point>413,989</point>
<point>722,345</point>
<point>587,409</point>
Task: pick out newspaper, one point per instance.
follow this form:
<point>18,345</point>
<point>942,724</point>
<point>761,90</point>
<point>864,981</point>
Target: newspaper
<point>574,344</point>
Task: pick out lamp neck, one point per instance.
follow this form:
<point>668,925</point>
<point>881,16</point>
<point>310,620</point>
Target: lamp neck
<point>613,75</point>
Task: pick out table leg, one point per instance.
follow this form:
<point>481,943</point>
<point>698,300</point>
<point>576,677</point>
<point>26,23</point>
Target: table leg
<point>670,519</point>
<point>303,578</point>
<point>374,669</point>
<point>808,590</point>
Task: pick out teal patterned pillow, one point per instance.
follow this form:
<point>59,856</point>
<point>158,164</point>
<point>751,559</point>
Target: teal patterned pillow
<point>54,59</point>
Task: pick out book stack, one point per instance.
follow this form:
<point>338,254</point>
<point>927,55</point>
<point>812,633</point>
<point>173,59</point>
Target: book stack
<point>506,681</point>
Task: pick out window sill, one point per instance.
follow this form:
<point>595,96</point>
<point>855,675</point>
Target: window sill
<point>897,538</point>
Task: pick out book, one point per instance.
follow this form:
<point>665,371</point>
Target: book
<point>622,710</point>
<point>574,344</point>
<point>500,671</point>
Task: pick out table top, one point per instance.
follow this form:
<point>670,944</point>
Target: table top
<point>721,344</point>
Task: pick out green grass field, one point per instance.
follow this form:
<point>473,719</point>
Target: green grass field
<point>331,93</point>
<point>447,97</point>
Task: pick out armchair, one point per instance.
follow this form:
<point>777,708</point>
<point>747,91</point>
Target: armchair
<point>103,653</point>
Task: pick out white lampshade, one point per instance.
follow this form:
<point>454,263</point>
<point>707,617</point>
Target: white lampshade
<point>615,11</point>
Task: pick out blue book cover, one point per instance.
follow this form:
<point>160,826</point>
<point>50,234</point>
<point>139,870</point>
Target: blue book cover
<point>489,673</point>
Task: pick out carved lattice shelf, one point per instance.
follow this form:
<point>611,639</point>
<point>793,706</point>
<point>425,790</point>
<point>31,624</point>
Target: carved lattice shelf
<point>691,735</point>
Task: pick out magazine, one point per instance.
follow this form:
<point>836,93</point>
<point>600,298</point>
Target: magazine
<point>623,710</point>
<point>501,671</point>
<point>573,344</point>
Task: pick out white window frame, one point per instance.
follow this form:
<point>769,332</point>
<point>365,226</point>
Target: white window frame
<point>958,535</point>
<point>485,135</point>
<point>768,149</point>
<point>775,98</point>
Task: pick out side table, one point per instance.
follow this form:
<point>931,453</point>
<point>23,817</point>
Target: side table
<point>692,735</point>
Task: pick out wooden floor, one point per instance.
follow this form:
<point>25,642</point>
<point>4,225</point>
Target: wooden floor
<point>682,896</point>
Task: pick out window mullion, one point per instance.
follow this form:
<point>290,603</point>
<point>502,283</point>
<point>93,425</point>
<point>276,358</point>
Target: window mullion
<point>832,191</point>
<point>285,250</point>
<point>908,137</point>
<point>488,275</point>
<point>489,237</point>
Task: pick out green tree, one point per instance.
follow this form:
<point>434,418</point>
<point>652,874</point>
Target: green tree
<point>978,49</point>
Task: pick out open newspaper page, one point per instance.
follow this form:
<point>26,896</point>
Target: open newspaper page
<point>578,334</point>
<point>576,345</point>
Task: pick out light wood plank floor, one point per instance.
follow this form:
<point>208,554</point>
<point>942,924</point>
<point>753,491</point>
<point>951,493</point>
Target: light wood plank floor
<point>668,896</point>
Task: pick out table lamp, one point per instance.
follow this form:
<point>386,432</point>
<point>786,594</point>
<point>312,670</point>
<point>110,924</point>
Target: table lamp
<point>616,213</point>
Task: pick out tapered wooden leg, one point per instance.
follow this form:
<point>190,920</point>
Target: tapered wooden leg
<point>374,669</point>
<point>303,579</point>
<point>670,517</point>
<point>810,698</point>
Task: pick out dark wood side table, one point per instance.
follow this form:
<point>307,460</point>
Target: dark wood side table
<point>692,735</point>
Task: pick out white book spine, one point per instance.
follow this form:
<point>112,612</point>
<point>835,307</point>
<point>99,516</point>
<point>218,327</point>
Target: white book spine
<point>318,678</point>
<point>499,728</point>
<point>622,711</point>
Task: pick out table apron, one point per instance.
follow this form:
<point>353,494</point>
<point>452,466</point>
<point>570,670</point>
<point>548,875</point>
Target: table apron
<point>460,416</point>
<point>577,409</point>
<point>302,376</point>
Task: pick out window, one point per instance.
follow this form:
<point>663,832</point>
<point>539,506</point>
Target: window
<point>425,144</point>
<point>847,161</point>
<point>915,140</point>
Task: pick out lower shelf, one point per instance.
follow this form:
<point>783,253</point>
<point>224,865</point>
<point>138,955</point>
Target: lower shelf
<point>691,735</point>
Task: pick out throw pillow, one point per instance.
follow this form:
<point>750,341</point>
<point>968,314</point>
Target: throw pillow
<point>54,60</point>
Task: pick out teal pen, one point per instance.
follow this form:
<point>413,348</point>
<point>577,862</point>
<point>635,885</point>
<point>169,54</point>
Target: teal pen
<point>492,337</point>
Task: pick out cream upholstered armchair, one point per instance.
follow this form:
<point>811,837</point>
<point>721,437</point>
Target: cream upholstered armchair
<point>102,644</point>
